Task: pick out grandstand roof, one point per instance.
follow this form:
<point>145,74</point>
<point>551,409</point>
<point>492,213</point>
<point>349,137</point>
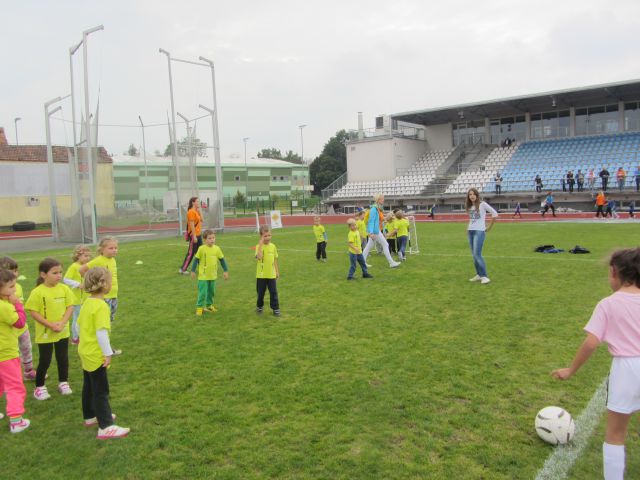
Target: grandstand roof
<point>539,102</point>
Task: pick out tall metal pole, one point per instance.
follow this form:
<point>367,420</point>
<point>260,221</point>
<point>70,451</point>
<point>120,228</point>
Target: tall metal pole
<point>246,170</point>
<point>52,183</point>
<point>192,174</point>
<point>15,124</point>
<point>146,172</point>
<point>75,183</point>
<point>174,142</point>
<point>301,143</point>
<point>87,120</point>
<point>216,144</point>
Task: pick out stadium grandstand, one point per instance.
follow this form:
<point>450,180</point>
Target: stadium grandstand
<point>433,156</point>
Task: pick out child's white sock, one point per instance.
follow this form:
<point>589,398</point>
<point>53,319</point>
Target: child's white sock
<point>613,461</point>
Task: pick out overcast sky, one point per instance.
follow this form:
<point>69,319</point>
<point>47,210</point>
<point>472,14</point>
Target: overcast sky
<point>280,64</point>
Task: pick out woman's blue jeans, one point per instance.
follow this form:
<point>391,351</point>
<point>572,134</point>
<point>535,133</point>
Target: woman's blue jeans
<point>476,240</point>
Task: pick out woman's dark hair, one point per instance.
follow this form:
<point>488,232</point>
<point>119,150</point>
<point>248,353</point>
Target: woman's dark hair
<point>467,202</point>
<point>626,266</point>
<point>6,276</point>
<point>192,200</point>
<point>44,267</point>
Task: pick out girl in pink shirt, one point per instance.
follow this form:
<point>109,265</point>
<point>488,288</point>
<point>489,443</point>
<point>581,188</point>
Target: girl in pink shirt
<point>616,321</point>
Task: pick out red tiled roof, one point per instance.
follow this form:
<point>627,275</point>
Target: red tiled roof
<point>38,153</point>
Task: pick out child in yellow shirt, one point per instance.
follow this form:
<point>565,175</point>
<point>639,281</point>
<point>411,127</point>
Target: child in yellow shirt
<point>321,239</point>
<point>355,251</point>
<point>73,280</point>
<point>267,271</point>
<point>206,262</point>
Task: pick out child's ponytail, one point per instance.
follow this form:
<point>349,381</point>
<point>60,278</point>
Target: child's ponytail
<point>626,265</point>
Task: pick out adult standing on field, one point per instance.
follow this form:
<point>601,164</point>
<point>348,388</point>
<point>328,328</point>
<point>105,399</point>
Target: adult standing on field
<point>604,176</point>
<point>193,236</point>
<point>601,201</point>
<point>476,231</point>
<point>374,230</point>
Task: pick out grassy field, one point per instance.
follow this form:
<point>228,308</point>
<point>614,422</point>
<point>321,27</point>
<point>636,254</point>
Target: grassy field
<point>417,373</point>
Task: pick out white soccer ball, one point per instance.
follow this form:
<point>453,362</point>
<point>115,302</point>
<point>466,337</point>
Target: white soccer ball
<point>555,425</point>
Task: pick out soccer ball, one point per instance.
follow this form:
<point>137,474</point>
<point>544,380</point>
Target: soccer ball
<point>555,425</point>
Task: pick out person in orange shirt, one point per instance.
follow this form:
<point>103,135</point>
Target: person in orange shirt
<point>193,233</point>
<point>601,201</point>
<point>621,176</point>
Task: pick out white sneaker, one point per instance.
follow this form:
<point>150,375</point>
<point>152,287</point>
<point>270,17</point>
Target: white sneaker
<point>113,431</point>
<point>92,422</point>
<point>64,388</point>
<point>369,266</point>
<point>20,426</point>
<point>484,280</point>
<point>394,264</point>
<point>40,393</point>
<point>477,278</point>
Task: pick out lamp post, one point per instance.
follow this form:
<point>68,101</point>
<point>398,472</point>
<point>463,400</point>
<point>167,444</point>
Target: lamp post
<point>301,143</point>
<point>146,172</point>
<point>173,139</point>
<point>15,124</point>
<point>246,169</point>
<point>52,184</point>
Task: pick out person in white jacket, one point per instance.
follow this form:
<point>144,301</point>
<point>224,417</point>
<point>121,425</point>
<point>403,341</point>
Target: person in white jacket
<point>476,231</point>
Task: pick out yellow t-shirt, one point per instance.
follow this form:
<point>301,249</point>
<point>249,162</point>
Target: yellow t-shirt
<point>109,264</point>
<point>354,237</point>
<point>51,303</point>
<point>20,295</point>
<point>8,333</point>
<point>265,267</point>
<point>391,226</point>
<point>94,315</point>
<point>362,228</point>
<point>318,231</point>
<point>73,273</point>
<point>208,258</point>
<point>403,227</point>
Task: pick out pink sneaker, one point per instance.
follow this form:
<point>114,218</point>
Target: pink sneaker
<point>92,422</point>
<point>21,426</point>
<point>75,341</point>
<point>64,388</point>
<point>41,393</point>
<point>113,431</point>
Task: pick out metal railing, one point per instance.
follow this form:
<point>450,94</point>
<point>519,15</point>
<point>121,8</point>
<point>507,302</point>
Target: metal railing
<point>334,186</point>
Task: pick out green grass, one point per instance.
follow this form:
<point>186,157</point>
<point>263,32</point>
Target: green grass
<point>416,373</point>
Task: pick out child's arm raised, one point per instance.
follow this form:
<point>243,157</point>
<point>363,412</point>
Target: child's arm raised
<point>582,355</point>
<point>259,249</point>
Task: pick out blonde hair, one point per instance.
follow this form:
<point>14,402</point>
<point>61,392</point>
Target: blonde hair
<point>377,197</point>
<point>103,243</point>
<point>351,221</point>
<point>399,214</point>
<point>79,250</point>
<point>95,280</point>
<point>388,216</point>
<point>264,229</point>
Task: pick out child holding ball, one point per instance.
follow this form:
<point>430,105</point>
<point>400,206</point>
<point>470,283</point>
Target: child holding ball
<point>206,262</point>
<point>615,321</point>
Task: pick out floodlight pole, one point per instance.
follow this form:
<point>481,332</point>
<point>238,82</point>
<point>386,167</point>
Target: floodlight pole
<point>75,184</point>
<point>174,141</point>
<point>192,174</point>
<point>301,143</point>
<point>52,184</point>
<point>246,170</point>
<point>216,140</point>
<point>144,156</point>
<point>87,120</point>
<point>15,124</point>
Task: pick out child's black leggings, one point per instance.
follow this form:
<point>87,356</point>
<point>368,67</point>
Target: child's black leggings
<point>321,250</point>
<point>61,348</point>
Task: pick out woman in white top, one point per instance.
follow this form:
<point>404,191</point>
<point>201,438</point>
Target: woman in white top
<point>476,230</point>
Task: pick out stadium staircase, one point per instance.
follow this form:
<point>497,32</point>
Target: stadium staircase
<point>464,157</point>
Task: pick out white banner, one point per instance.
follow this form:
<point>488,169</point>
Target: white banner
<point>276,219</point>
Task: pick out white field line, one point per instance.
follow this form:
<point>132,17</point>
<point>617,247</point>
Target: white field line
<point>558,464</point>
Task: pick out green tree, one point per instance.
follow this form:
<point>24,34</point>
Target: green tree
<point>183,146</point>
<point>292,157</point>
<point>239,198</point>
<point>270,153</point>
<point>331,163</point>
<point>133,151</point>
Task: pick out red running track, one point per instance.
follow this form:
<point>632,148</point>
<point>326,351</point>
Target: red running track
<point>301,220</point>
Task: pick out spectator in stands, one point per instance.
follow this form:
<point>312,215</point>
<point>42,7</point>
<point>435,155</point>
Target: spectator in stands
<point>570,181</point>
<point>601,201</point>
<point>548,204</point>
<point>637,175</point>
<point>621,176</point>
<point>538,182</point>
<point>563,179</point>
<point>591,178</point>
<point>604,177</point>
<point>580,178</point>
<point>498,181</point>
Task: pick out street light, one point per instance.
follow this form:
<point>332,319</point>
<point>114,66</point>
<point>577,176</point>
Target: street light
<point>301,143</point>
<point>246,170</point>
<point>15,123</point>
